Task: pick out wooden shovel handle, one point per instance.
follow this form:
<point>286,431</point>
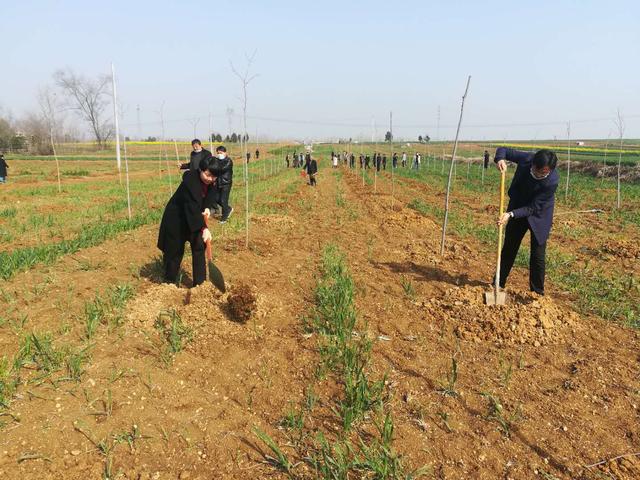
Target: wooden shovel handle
<point>503,174</point>
<point>208,242</point>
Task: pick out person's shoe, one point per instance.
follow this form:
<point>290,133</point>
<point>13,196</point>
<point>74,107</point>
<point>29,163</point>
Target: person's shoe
<point>224,220</point>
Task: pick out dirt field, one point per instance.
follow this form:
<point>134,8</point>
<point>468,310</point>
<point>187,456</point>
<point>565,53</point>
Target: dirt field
<point>542,389</point>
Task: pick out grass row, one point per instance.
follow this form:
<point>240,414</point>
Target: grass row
<point>363,445</point>
<point>25,258</point>
<point>42,355</point>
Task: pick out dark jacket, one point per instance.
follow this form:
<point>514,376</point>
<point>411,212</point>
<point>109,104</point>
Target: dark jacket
<point>530,198</point>
<point>3,168</point>
<point>194,162</point>
<point>311,167</point>
<point>183,214</point>
<point>223,170</point>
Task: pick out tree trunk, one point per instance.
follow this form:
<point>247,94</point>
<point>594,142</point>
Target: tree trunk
<point>453,160</point>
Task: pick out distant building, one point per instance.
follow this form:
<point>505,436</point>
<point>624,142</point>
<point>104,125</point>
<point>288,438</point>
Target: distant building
<point>580,144</point>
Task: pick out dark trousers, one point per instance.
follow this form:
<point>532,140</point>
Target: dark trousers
<point>312,179</point>
<point>173,259</point>
<point>515,231</point>
<point>222,199</point>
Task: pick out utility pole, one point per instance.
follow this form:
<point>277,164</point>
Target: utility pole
<point>138,119</point>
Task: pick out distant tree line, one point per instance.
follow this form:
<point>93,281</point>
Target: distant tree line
<point>233,138</point>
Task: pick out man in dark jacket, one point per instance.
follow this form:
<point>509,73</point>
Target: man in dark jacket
<point>531,203</point>
<point>486,159</point>
<point>257,154</point>
<point>223,171</point>
<point>3,169</point>
<point>183,221</point>
<point>197,154</point>
<point>312,169</point>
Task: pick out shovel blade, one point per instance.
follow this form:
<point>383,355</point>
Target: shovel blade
<point>495,298</point>
<point>215,276</point>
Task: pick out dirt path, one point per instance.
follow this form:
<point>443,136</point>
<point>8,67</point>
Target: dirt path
<point>573,380</point>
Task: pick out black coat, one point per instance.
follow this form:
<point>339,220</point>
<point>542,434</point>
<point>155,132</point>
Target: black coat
<point>3,168</point>
<point>182,216</point>
<point>312,167</point>
<point>194,163</point>
<point>223,170</point>
<point>529,198</point>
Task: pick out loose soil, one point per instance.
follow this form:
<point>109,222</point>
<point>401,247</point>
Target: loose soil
<point>573,379</point>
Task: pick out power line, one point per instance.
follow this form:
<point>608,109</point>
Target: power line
<point>292,121</point>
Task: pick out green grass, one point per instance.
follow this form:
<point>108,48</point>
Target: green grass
<point>8,212</point>
<point>346,352</point>
<point>175,333</point>
<point>8,382</point>
<point>25,258</point>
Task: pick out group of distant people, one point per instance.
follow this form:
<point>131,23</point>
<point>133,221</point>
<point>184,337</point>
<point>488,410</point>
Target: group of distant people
<point>306,162</point>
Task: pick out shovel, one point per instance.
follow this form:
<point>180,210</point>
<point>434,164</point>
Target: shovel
<point>215,275</point>
<point>495,296</point>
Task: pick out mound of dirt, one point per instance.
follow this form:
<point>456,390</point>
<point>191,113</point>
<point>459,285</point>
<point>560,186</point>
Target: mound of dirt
<point>143,310</point>
<point>527,318</point>
<point>242,303</point>
<point>621,248</point>
<point>200,307</point>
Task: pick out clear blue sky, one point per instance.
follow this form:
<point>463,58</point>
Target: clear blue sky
<point>342,63</point>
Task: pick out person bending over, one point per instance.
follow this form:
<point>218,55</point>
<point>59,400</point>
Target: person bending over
<point>531,202</point>
<point>183,221</point>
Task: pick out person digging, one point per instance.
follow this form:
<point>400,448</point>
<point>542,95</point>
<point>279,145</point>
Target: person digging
<point>184,220</point>
<point>531,203</point>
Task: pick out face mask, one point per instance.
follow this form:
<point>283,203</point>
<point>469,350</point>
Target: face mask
<point>538,178</point>
<point>222,156</point>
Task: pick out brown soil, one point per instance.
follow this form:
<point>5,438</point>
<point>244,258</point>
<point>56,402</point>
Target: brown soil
<point>241,303</point>
<point>622,248</point>
<point>575,379</point>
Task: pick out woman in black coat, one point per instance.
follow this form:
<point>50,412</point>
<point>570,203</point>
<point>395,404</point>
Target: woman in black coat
<point>183,221</point>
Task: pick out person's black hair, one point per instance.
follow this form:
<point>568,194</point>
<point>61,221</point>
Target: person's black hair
<point>207,163</point>
<point>221,148</point>
<point>195,141</point>
<point>545,158</point>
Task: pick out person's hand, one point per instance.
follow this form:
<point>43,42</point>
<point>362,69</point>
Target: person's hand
<point>206,235</point>
<point>502,165</point>
<point>504,218</point>
<point>206,213</point>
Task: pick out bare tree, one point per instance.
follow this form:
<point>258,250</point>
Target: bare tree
<point>89,99</point>
<point>566,188</point>
<point>48,107</point>
<point>620,125</point>
<point>245,78</point>
<point>194,123</point>
<point>453,161</point>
